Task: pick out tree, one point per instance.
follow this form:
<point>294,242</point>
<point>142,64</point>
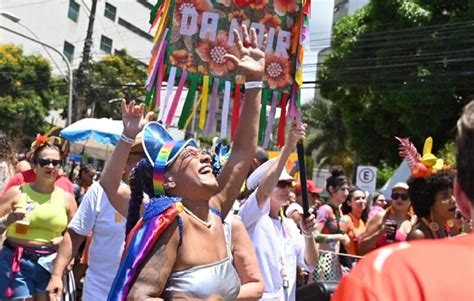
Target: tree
<point>27,93</point>
<point>400,68</point>
<point>328,135</point>
<point>114,77</point>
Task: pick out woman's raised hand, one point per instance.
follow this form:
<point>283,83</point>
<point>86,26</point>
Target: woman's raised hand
<point>132,118</point>
<point>252,56</point>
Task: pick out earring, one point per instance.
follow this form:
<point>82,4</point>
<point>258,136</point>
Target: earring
<point>433,226</point>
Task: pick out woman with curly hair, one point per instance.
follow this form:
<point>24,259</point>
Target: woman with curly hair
<point>178,249</point>
<point>434,204</point>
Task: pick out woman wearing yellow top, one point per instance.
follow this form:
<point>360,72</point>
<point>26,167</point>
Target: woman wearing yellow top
<point>34,217</point>
<point>354,219</point>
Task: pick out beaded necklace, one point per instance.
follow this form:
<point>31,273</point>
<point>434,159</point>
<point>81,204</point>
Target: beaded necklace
<point>208,224</point>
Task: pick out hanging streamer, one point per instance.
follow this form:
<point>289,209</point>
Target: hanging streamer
<point>148,96</point>
<point>205,91</point>
<point>188,103</point>
<point>225,110</point>
<point>271,120</point>
<point>163,18</point>
<point>211,117</point>
<point>169,91</point>
<point>159,77</point>
<point>177,96</point>
<point>235,110</point>
<point>196,106</point>
<point>263,116</point>
<point>155,68</point>
<point>282,124</point>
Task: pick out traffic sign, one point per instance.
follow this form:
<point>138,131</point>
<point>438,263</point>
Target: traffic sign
<point>366,178</point>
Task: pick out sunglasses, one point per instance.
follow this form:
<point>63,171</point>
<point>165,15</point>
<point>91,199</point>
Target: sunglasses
<point>396,196</point>
<point>46,162</point>
<point>194,153</point>
<point>283,184</point>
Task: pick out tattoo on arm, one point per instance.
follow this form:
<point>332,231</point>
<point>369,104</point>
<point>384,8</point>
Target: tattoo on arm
<point>155,270</point>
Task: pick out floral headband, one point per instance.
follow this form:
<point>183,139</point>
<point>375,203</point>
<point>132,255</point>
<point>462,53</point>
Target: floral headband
<point>421,166</point>
<point>45,140</point>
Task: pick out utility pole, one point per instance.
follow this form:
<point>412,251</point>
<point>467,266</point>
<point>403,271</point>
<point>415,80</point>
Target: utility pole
<point>83,71</point>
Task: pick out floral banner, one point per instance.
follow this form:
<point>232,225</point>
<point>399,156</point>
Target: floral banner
<point>201,33</point>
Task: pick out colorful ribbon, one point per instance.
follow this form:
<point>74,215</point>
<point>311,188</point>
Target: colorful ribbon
<point>211,117</point>
<point>235,110</point>
<point>205,91</point>
<point>159,78</point>
<point>196,106</point>
<point>188,103</point>
<point>263,116</point>
<point>225,110</point>
<point>169,91</point>
<point>282,124</point>
<point>271,119</point>
<point>177,95</point>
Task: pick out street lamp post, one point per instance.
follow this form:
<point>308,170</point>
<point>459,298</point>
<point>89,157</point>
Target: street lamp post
<point>69,69</point>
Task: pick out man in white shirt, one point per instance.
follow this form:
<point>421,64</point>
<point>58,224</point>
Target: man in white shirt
<point>279,245</point>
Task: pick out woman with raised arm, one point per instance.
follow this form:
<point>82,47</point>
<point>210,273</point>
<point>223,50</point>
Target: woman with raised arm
<point>178,249</point>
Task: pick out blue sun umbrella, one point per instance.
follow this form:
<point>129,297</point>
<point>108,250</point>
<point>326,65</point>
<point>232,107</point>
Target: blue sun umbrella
<point>94,137</point>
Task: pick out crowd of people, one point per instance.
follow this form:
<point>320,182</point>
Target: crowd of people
<point>163,223</point>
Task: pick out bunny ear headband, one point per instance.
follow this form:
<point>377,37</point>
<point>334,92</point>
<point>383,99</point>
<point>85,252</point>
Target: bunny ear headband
<point>421,166</point>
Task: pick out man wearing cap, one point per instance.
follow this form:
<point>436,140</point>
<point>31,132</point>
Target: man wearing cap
<point>279,245</point>
<point>295,209</point>
<point>95,215</point>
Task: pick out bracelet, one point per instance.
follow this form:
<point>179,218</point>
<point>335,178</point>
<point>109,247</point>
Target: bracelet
<point>307,235</point>
<point>253,85</point>
<point>126,139</point>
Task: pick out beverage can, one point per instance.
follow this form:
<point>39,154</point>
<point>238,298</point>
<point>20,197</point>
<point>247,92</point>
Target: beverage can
<point>391,236</point>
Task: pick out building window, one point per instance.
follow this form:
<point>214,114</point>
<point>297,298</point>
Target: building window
<point>105,44</point>
<point>135,29</point>
<point>68,51</point>
<point>110,11</point>
<point>73,12</point>
<point>146,4</point>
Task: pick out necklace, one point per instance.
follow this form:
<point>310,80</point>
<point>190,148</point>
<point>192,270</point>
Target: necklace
<point>436,229</point>
<point>204,223</point>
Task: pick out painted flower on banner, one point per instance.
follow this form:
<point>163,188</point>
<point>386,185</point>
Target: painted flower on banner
<point>277,72</point>
<point>259,4</point>
<point>183,59</point>
<point>239,15</point>
<point>283,7</point>
<point>213,53</point>
<point>200,6</point>
<point>270,20</point>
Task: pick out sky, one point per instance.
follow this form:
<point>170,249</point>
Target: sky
<point>320,33</point>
